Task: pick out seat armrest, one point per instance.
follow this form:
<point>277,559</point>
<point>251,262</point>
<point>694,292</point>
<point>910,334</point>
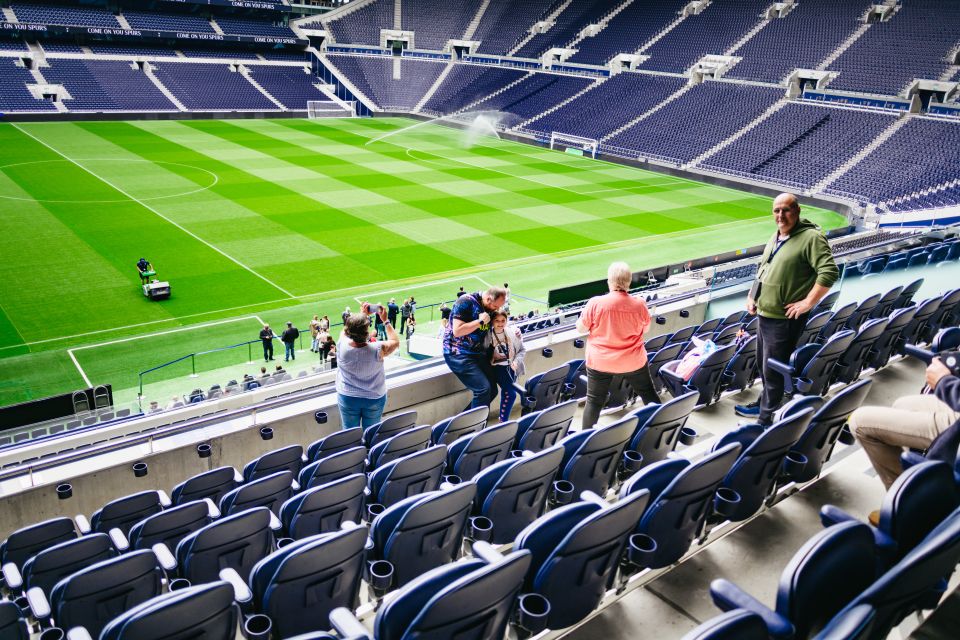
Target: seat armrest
<point>12,577</point>
<point>212,510</point>
<point>780,367</point>
<point>78,633</point>
<point>910,459</point>
<point>118,540</point>
<point>486,552</point>
<point>165,557</point>
<point>241,592</point>
<point>295,486</point>
<point>831,515</point>
<point>39,606</point>
<point>275,524</point>
<point>347,625</point>
<point>237,477</point>
<point>83,525</point>
<point>164,499</point>
<point>728,596</point>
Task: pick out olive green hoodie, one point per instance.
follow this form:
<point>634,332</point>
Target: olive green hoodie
<point>802,261</point>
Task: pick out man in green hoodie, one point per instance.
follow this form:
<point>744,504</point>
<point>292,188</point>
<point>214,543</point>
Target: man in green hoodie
<point>796,271</point>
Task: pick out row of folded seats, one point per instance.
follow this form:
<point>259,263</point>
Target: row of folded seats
<point>360,513</point>
<point>935,253</point>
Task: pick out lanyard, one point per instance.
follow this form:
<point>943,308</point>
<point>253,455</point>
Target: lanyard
<point>776,249</point>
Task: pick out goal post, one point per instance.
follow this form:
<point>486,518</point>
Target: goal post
<point>574,144</point>
<point>331,109</point>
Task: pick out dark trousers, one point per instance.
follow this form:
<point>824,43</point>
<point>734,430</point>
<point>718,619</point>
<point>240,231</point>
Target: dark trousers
<point>267,349</point>
<point>598,387</point>
<point>506,377</point>
<point>403,323</point>
<point>477,375</point>
<point>775,339</point>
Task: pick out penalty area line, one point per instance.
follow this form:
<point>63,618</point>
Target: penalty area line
<point>147,336</point>
<point>79,368</point>
<point>368,297</point>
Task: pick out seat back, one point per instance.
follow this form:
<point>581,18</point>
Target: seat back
<point>620,392</point>
<point>945,315</point>
<point>577,370</point>
<point>389,427</point>
<point>12,624</point>
<point>576,550</point>
<point>677,512</point>
<point>302,583</point>
<point>268,491</point>
<point>543,429</point>
<point>399,445</point>
<point>838,320</point>
<point>906,296</point>
<point>656,360</point>
<point>470,454</point>
<point>826,303</point>
<point>514,493</point>
<point>284,459</point>
<point>465,423</point>
<point>755,474</point>
<point>918,500</point>
<point>916,331</point>
<point>947,339</point>
<point>739,623</point>
<point>817,442</point>
<point>658,427</point>
<point>412,474</point>
<point>209,484</point>
<point>852,360</point>
<point>657,342</point>
<point>204,611</point>
<point>25,543</point>
<point>324,508</point>
<point>423,531</point>
<point>51,565</point>
<point>826,573</point>
<point>333,467</point>
<point>334,443</point>
<point>547,388</point>
<point>890,340</point>
<point>863,311</point>
<point>709,374</point>
<point>726,334</point>
<point>742,369</point>
<point>855,623</point>
<point>818,372</point>
<point>94,596</point>
<point>466,599</point>
<point>124,512</point>
<point>238,542</point>
<point>592,457</point>
<point>171,526</point>
<point>684,334</point>
<point>886,303</point>
<point>711,326</point>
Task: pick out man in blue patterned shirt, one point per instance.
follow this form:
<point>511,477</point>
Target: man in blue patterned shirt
<point>463,348</point>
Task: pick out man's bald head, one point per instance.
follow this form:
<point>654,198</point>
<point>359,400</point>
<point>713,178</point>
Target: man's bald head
<point>786,212</point>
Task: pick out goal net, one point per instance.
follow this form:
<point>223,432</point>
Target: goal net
<point>330,109</point>
<point>574,144</point>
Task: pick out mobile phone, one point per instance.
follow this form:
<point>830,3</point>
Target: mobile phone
<point>374,308</point>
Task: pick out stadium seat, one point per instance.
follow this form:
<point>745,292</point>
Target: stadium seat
<point>398,445</point>
<point>742,369</point>
<point>683,335</point>
<point>124,512</point>
<point>886,303</point>
<point>324,508</point>
<point>706,380</point>
<point>333,467</point>
<point>916,330</point>
<point>945,315</point>
<point>837,321</point>
<point>467,422</point>
<point>407,476</point>
<point>13,626</point>
<point>172,525</point>
<point>23,544</point>
<point>725,335</point>
<point>593,457</point>
<point>422,532</point>
<point>47,568</point>
<point>738,624</point>
<point>657,342</point>
<point>299,586</point>
<point>335,443</point>
<point>810,369</point>
<point>660,427</point>
<point>906,296</point>
<point>683,495</point>
<point>389,427</point>
<point>267,491</point>
<point>863,311</point>
<point>514,493</point>
<point>577,369</point>
<point>855,623</point>
<point>826,303</point>
<point>545,390</point>
<point>285,459</point>
<point>204,611</point>
<point>889,341</point>
<point>656,360</point>
<point>826,574</point>
<point>851,363</point>
<point>209,484</point>
<point>576,550</point>
<point>471,454</point>
<point>541,429</point>
<point>711,326</point>
<point>237,542</point>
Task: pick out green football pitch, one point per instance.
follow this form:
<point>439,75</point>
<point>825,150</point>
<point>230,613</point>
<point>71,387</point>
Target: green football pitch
<point>272,220</point>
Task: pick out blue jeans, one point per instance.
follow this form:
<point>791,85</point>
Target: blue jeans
<point>476,374</point>
<point>506,376</point>
<point>290,354</point>
<point>360,412</point>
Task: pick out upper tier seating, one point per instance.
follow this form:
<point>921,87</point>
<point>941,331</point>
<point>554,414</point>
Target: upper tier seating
<point>167,22</point>
<point>106,85</point>
<point>466,84</point>
<point>534,95</point>
<point>206,87</point>
<point>253,27</point>
<point>628,30</point>
<point>506,22</point>
<point>47,14</point>
<point>14,95</point>
<point>110,49</point>
<point>569,23</point>
<point>433,28</point>
<point>363,25</point>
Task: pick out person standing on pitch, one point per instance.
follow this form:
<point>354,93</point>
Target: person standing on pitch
<point>404,314</point>
<point>392,311</point>
<point>463,343</point>
<point>289,338</point>
<point>266,337</point>
<point>796,271</point>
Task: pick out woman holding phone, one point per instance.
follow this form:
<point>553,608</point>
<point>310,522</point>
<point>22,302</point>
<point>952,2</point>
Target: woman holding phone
<point>361,385</point>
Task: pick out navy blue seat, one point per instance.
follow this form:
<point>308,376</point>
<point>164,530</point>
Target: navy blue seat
<point>810,369</point>
<point>514,493</point>
<point>546,389</point>
<point>333,467</point>
<point>237,542</point>
<point>576,550</point>
<point>863,311</point>
<point>762,462</point>
<point>577,370</point>
<point>268,491</point>
<point>657,342</point>
<point>826,303</point>
<point>23,544</point>
<point>815,324</point>
<point>472,598</point>
<point>940,253</point>
<point>872,265</point>
<point>656,360</point>
<point>398,445</point>
<point>945,315</point>
<point>854,624</point>
<point>896,263</point>
<point>209,484</point>
<point>407,476</point>
<point>915,332</point>
<point>125,512</point>
<point>471,454</point>
<point>711,326</point>
<point>946,340</point>
<point>889,341</point>
<point>541,429</point>
<point>51,565</point>
<point>826,573</point>
<point>204,611</point>
<point>423,532</point>
<point>918,259</point>
<point>335,443</point>
<point>284,459</point>
<point>726,334</point>
<point>683,335</point>
<point>592,457</point>
<point>94,596</point>
<point>742,370</point>
<point>886,303</point>
<point>906,296</point>
<point>851,363</point>
<point>171,526</point>
<point>660,427</point>
<point>837,321</point>
<point>324,508</point>
<point>738,624</point>
<point>706,380</point>
<point>389,427</point>
<point>299,586</point>
<point>12,624</point>
<point>682,497</point>
<point>462,424</point>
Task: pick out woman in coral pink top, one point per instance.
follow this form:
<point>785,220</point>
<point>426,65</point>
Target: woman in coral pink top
<point>615,323</point>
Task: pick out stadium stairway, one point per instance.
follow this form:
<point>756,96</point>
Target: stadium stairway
<point>436,85</point>
<point>663,33</point>
<point>551,19</point>
<point>148,71</point>
<point>245,72</point>
<point>475,22</point>
<point>846,44</point>
<point>776,106</point>
<point>643,116</point>
<point>561,104</point>
<point>601,25</point>
<point>885,135</point>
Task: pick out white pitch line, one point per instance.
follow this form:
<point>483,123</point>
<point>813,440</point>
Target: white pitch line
<point>79,368</point>
<point>155,212</point>
<point>193,327</point>
<point>423,285</point>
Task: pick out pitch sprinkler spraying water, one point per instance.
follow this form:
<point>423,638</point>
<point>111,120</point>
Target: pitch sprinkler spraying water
<point>479,124</point>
